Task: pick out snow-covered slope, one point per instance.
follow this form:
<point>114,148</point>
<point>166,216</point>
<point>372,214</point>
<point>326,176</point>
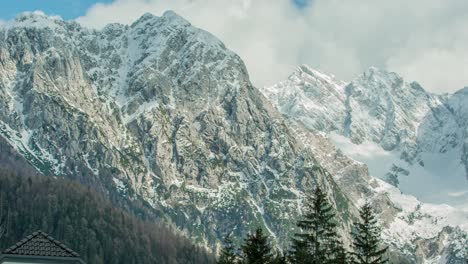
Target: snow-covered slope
<point>403,133</point>
<point>163,112</point>
<point>440,180</point>
<point>159,111</point>
<point>303,97</point>
<point>428,233</point>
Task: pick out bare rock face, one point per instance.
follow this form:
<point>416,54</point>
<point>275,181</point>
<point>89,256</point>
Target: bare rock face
<point>380,112</point>
<point>377,106</point>
<point>458,106</point>
<point>158,111</point>
<point>162,112</point>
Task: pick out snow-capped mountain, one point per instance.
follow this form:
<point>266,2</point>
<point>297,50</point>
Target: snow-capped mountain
<point>163,112</point>
<point>403,133</point>
<point>159,111</point>
<point>429,233</point>
<point>406,136</point>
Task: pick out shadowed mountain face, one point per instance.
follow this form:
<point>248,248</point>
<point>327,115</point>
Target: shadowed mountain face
<point>161,111</point>
<point>85,221</point>
<point>10,160</point>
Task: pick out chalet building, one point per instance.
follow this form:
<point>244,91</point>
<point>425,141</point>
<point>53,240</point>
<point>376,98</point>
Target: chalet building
<point>39,248</point>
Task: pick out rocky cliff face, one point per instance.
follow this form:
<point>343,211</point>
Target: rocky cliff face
<point>403,133</point>
<point>377,106</point>
<point>457,104</point>
<point>421,136</point>
<point>159,111</point>
<point>416,232</point>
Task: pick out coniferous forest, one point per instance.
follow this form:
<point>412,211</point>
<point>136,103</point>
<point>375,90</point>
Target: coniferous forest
<point>88,223</point>
<point>317,243</point>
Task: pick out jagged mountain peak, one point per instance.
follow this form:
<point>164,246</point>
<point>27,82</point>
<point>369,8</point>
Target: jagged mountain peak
<point>171,25</point>
<point>306,69</point>
<point>379,72</point>
<point>162,111</point>
<point>302,95</point>
<point>173,16</point>
<point>35,16</point>
<point>462,91</point>
<point>404,134</point>
<point>306,73</point>
<point>379,106</point>
<point>36,19</point>
<point>388,82</point>
<point>145,17</point>
<point>169,17</point>
<point>159,110</point>
<point>376,70</point>
<point>378,79</point>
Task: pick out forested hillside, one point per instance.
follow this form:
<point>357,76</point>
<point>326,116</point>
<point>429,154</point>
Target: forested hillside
<point>86,222</point>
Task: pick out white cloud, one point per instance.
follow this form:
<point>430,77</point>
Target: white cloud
<point>423,40</point>
<point>458,194</point>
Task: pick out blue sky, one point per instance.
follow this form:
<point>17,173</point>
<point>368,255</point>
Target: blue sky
<point>413,38</point>
<point>67,9</point>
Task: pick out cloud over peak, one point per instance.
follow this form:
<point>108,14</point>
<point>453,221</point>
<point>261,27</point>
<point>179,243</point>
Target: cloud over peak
<point>423,40</point>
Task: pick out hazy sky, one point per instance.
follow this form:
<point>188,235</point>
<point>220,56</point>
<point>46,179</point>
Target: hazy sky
<point>423,40</point>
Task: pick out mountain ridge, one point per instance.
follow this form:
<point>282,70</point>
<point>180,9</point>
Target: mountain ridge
<point>380,107</point>
<point>163,112</point>
<point>128,108</point>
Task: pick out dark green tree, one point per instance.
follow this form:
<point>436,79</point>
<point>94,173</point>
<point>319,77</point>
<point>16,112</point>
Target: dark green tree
<point>256,249</point>
<point>300,250</point>
<point>366,236</point>
<point>280,258</point>
<point>318,241</point>
<point>88,222</point>
<point>228,253</point>
<point>341,255</point>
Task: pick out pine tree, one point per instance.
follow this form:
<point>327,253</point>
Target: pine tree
<point>366,236</point>
<point>318,241</point>
<point>341,256</point>
<point>300,250</point>
<point>256,249</point>
<point>280,259</point>
<point>228,253</point>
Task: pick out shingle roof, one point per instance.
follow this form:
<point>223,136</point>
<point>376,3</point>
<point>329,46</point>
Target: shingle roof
<point>40,244</point>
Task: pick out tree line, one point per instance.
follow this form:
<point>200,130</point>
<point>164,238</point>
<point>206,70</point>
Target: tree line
<point>318,241</point>
<point>88,223</point>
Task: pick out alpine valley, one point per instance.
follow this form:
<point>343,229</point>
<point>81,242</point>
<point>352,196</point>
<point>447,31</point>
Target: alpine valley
<point>163,113</point>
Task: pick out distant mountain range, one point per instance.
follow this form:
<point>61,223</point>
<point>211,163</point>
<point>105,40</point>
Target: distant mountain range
<point>407,136</point>
<point>162,112</point>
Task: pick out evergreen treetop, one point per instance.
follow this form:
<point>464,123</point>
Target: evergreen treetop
<point>318,241</point>
<point>366,236</point>
<point>228,253</point>
<point>256,249</point>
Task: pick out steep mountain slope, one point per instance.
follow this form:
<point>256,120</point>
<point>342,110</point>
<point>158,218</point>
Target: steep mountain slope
<point>159,111</point>
<point>422,232</point>
<point>405,134</point>
<point>458,106</point>
<point>314,98</point>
